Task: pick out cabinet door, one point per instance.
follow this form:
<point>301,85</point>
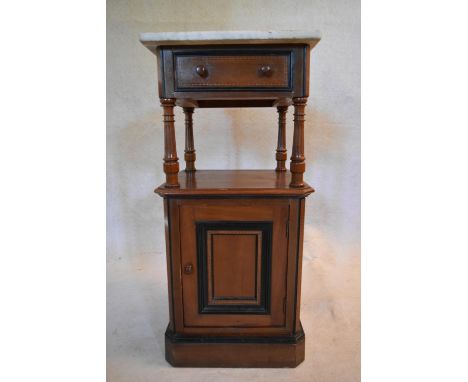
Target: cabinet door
<point>234,264</point>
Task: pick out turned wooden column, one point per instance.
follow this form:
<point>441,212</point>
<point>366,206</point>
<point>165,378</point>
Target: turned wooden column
<point>189,153</point>
<point>297,166</point>
<point>171,161</point>
<point>281,151</point>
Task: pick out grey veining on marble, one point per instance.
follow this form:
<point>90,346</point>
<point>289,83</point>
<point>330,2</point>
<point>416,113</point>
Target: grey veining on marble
<point>153,40</point>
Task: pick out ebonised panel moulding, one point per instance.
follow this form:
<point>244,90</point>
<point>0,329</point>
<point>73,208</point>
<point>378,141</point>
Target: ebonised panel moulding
<point>234,237</point>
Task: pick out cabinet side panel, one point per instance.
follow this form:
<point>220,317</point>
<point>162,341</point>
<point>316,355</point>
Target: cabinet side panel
<point>291,265</point>
<point>159,59</point>
<point>305,71</point>
<point>169,263</point>
<point>173,255</point>
<point>300,242</point>
<point>299,72</point>
<point>166,71</point>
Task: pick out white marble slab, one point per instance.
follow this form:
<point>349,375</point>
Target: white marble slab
<point>153,40</point>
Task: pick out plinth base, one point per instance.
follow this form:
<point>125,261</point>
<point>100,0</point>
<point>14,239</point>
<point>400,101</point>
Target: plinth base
<point>185,351</point>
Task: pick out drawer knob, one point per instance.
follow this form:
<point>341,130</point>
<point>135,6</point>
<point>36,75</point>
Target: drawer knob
<point>201,71</point>
<point>265,70</point>
<point>188,268</point>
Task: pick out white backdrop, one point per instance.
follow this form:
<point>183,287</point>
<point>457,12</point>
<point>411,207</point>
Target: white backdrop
<point>233,138</point>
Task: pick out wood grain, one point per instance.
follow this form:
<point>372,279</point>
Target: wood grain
<point>297,166</point>
<point>233,77</point>
<point>189,153</point>
<point>219,210</point>
<point>171,161</point>
<point>235,182</point>
<point>227,71</point>
<point>240,354</point>
<point>234,237</point>
<point>281,151</point>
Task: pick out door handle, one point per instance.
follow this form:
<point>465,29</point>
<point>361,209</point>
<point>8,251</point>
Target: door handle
<point>188,269</point>
<point>201,71</point>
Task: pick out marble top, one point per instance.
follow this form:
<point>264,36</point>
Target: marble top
<point>153,40</point>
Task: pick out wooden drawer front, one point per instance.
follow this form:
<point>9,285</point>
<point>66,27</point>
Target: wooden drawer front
<point>229,71</point>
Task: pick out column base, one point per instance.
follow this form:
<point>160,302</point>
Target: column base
<point>278,351</point>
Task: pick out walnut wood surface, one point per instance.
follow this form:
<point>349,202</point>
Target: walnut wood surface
<point>189,153</point>
<point>235,258</point>
<point>200,352</point>
<point>205,71</point>
<point>235,182</point>
<point>281,151</point>
<point>171,161</point>
<point>286,217</point>
<point>275,211</point>
<point>297,157</point>
<point>234,237</point>
<point>229,74</point>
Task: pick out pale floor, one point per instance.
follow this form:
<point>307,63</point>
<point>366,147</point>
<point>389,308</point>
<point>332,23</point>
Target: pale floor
<point>137,318</point>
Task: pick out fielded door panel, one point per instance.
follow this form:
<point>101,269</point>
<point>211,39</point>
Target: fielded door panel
<point>234,263</point>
